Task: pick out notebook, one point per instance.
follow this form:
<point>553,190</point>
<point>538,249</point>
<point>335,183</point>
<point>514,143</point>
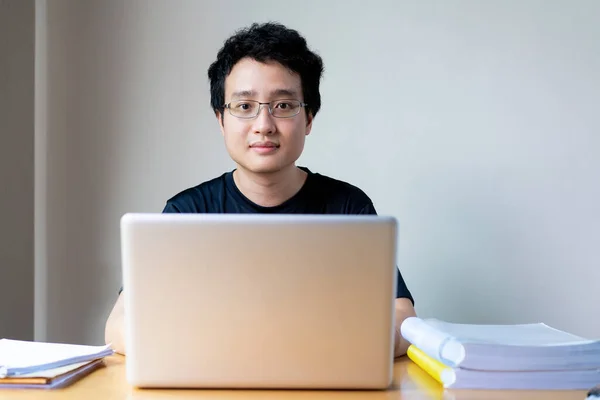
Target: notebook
<point>24,357</point>
<point>520,347</point>
<point>52,378</point>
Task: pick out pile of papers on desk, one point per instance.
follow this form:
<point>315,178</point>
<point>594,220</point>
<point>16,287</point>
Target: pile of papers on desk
<point>25,364</point>
<point>524,356</point>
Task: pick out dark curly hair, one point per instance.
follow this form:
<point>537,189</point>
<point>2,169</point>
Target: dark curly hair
<point>268,42</point>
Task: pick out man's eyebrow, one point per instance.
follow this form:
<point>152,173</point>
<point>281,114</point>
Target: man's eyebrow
<point>243,93</point>
<point>277,93</point>
<point>285,92</point>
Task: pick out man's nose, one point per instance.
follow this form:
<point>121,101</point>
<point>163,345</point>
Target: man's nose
<point>264,123</point>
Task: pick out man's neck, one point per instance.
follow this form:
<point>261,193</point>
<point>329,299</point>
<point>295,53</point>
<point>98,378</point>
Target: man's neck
<point>269,190</point>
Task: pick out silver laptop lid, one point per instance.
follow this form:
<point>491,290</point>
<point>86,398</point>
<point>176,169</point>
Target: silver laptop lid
<point>259,301</point>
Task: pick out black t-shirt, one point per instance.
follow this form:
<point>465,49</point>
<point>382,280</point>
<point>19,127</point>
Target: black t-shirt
<point>319,195</point>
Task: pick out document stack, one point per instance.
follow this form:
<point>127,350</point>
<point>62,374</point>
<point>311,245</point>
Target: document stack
<point>25,364</point>
<point>523,356</point>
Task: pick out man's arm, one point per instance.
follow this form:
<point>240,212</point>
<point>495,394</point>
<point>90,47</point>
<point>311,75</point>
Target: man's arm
<point>404,303</point>
<point>114,332</point>
<point>404,309</point>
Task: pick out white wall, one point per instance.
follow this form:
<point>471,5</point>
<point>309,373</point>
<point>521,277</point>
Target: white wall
<point>17,22</point>
<point>472,122</point>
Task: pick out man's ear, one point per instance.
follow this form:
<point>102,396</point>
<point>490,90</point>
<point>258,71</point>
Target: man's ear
<point>309,121</point>
<point>219,116</point>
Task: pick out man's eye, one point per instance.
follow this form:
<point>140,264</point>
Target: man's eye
<point>283,106</point>
<point>244,106</point>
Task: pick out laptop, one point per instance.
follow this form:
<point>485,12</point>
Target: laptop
<point>259,301</point>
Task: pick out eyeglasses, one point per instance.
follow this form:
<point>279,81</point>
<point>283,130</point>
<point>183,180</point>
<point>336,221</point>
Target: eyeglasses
<point>277,108</point>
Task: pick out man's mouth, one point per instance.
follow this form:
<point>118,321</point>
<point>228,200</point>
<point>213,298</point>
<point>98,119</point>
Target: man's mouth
<point>264,145</point>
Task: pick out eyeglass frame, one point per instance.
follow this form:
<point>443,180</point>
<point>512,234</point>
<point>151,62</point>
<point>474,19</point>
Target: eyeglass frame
<point>228,106</point>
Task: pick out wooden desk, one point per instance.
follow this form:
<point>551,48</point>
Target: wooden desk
<point>108,383</point>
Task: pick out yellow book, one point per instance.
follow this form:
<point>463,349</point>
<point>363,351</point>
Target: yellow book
<point>436,369</point>
<point>431,389</point>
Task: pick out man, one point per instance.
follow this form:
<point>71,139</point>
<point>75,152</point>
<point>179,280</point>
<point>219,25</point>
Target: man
<point>265,94</point>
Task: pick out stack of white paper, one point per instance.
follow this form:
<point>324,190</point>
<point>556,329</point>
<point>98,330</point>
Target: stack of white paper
<point>520,356</point>
<point>47,365</point>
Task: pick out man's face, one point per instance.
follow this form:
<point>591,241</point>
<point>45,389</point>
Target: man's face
<point>264,143</point>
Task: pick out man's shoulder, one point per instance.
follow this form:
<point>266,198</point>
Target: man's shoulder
<point>341,191</point>
<point>336,185</point>
<point>198,198</point>
<point>204,188</point>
